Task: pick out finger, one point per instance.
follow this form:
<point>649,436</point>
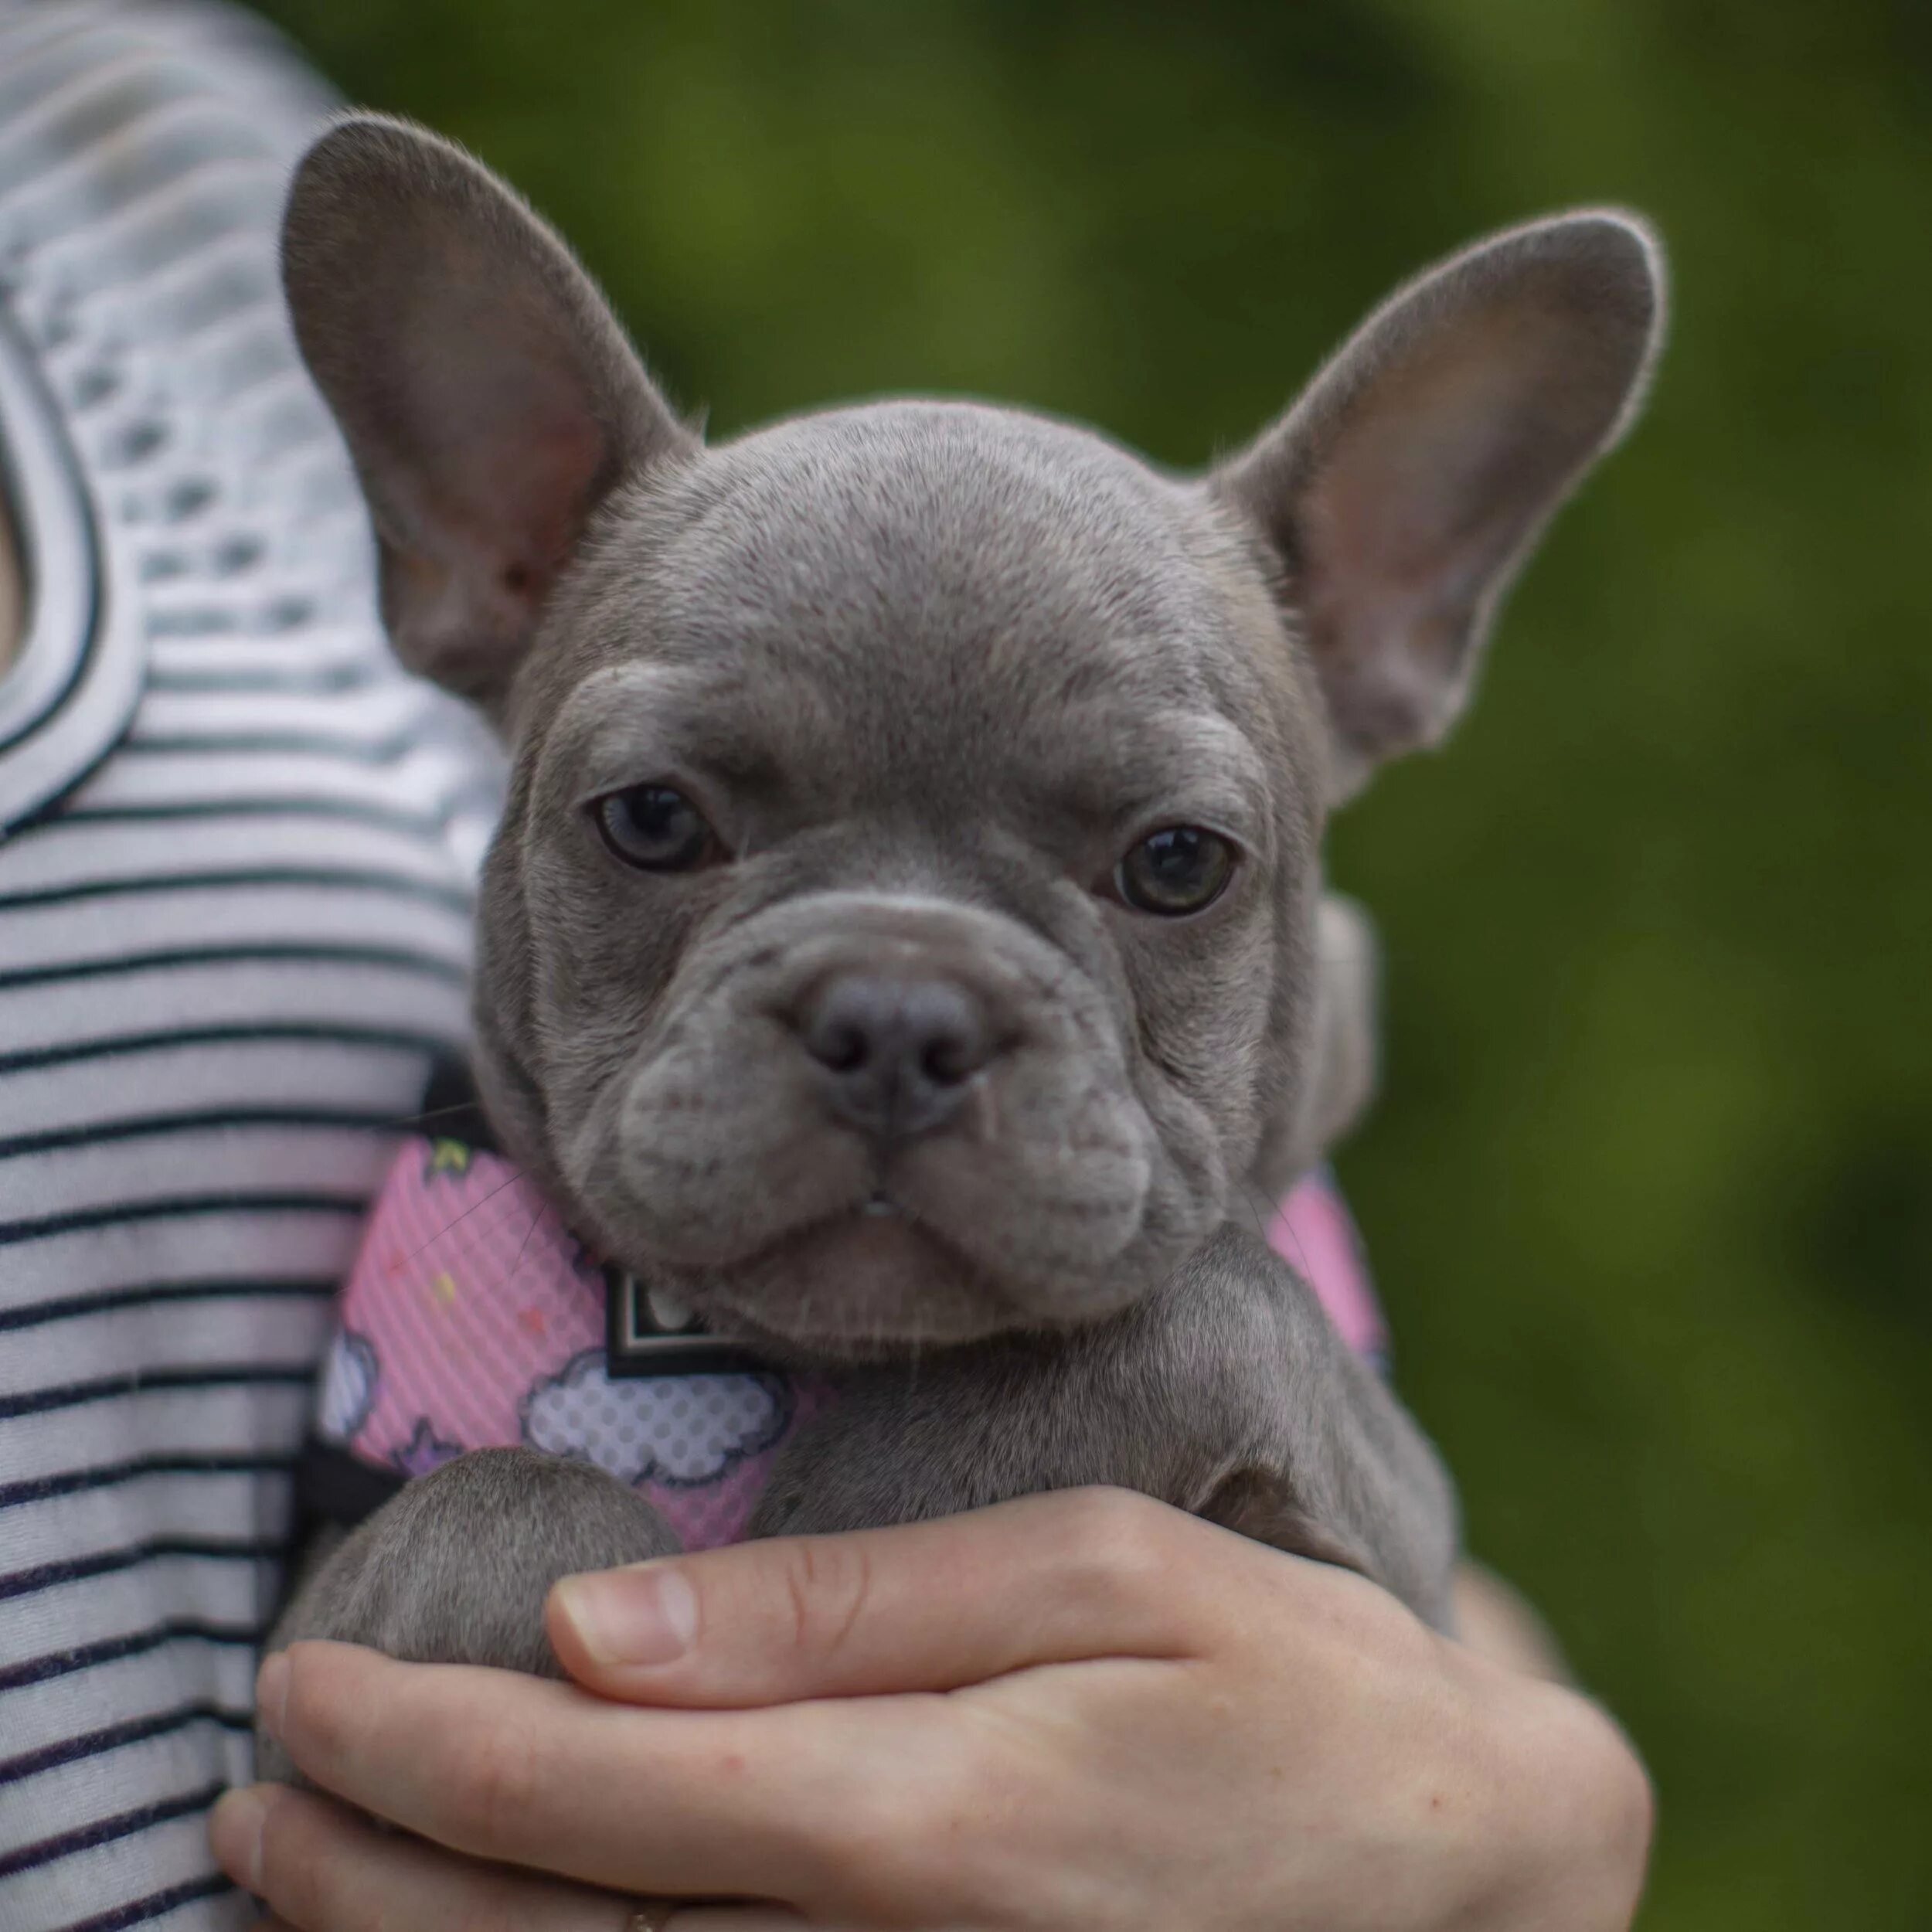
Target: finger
<point>777,1804</point>
<point>319,1869</point>
<point>925,1606</point>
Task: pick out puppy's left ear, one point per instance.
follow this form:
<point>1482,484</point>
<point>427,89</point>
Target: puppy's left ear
<point>1399,494</point>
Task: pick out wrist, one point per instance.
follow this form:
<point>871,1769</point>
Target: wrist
<point>1572,1816</point>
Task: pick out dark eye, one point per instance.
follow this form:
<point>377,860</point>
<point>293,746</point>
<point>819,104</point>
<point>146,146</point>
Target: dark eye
<point>1177,871</point>
<point>654,828</point>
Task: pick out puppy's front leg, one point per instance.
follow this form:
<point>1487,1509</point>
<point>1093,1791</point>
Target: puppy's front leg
<point>1227,1393</point>
<point>455,1568</point>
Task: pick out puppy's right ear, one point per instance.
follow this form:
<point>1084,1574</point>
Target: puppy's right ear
<point>488,396</point>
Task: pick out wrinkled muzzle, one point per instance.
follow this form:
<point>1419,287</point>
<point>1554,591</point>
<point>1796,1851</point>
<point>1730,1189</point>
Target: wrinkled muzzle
<point>859,1117</point>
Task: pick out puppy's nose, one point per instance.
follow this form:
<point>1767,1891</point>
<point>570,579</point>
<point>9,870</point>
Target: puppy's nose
<point>896,1055</point>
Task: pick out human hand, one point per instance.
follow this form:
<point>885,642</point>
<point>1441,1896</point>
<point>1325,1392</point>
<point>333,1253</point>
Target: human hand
<point>1082,1709</point>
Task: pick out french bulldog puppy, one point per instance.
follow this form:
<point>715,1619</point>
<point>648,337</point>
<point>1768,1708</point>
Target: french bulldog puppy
<point>904,941</point>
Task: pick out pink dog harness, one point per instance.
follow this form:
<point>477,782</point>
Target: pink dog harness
<point>473,1319</point>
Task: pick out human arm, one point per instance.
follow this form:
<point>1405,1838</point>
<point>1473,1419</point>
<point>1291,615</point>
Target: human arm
<point>1082,1709</point>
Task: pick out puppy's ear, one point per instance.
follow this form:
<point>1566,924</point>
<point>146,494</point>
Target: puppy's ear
<point>1401,493</point>
<point>489,398</point>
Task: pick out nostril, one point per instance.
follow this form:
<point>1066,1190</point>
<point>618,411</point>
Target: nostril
<point>947,1061</point>
<point>839,1046</point>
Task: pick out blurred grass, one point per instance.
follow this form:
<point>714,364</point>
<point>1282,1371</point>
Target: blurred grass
<point>1651,1193</point>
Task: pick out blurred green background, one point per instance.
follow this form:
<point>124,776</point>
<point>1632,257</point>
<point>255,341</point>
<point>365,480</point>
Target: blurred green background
<point>1650,1192</point>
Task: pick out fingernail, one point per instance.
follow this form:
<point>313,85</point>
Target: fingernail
<point>641,1616</point>
<point>271,1693</point>
<point>235,1834</point>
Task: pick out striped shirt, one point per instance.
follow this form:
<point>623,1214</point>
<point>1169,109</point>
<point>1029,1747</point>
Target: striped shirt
<point>236,850</point>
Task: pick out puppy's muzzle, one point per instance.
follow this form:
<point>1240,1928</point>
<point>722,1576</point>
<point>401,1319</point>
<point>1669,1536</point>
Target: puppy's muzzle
<point>894,1053</point>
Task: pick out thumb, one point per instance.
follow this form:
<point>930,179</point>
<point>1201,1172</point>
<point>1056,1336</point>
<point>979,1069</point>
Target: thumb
<point>924,1607</point>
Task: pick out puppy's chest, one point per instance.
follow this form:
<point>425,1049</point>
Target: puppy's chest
<point>473,1319</point>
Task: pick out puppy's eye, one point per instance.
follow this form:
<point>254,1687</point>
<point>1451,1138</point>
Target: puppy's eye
<point>654,828</point>
<point>1179,870</point>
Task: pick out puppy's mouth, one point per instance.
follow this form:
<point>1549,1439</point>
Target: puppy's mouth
<point>837,1246</point>
<point>870,1277</point>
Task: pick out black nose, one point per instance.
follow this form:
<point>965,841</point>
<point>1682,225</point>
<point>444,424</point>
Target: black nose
<point>896,1054</point>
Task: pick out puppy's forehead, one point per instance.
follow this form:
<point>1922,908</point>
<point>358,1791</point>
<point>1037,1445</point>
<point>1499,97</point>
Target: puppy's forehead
<point>907,542</point>
<point>936,608</point>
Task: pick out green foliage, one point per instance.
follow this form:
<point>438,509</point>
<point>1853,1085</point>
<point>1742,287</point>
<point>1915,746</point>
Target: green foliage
<point>1651,1192</point>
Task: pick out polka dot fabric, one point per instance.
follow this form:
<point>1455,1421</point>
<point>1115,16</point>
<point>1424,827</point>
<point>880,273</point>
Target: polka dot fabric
<point>473,1320</point>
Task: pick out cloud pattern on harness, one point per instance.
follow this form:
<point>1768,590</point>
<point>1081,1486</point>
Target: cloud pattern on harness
<point>348,1387</point>
<point>676,1430</point>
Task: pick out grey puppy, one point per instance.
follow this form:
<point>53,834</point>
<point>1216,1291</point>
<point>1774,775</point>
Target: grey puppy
<point>905,939</point>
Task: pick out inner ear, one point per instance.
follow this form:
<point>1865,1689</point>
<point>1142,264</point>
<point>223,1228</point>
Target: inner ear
<point>1399,496</point>
<point>487,395</point>
<point>496,424</point>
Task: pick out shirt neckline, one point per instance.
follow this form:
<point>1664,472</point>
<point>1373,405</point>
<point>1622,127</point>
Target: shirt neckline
<point>72,685</point>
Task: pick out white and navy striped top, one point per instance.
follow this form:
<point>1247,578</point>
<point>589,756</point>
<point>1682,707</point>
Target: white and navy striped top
<point>236,846</point>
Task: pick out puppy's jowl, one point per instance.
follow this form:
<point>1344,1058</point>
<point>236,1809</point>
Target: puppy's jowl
<point>904,969</point>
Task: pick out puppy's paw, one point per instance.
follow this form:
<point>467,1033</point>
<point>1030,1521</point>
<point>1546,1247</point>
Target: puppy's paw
<point>455,1570</point>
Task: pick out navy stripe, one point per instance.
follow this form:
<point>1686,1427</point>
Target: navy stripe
<point>110,1475</point>
<point>175,1208</point>
<point>29,38</point>
<point>206,1120</point>
<point>341,677</point>
<point>294,954</point>
<point>155,1906</point>
<point>138,1643</point>
<point>146,1294</point>
<point>203,744</point>
<point>328,879</point>
<point>141,1382</point>
<point>349,810</point>
<point>108,1562</point>
<point>251,1034</point>
<point>118,1737</point>
<point>49,1851</point>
